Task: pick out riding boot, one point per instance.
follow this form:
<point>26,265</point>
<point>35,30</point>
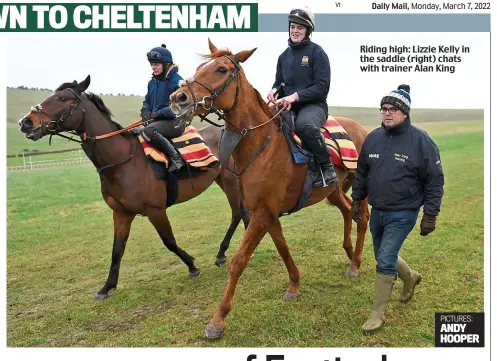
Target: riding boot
<point>175,161</point>
<point>315,141</point>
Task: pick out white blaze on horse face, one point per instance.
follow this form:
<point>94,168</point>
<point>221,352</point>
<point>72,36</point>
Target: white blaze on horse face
<point>208,63</point>
<point>32,109</point>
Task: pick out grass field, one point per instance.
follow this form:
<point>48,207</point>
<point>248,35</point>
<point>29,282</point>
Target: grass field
<point>59,246</point>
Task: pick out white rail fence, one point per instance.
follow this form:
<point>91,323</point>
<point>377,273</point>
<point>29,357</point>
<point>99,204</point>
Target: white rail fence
<point>29,162</point>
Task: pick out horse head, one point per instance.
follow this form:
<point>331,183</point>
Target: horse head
<point>214,87</point>
<point>59,112</point>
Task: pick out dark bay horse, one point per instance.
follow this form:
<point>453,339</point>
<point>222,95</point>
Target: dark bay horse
<point>128,184</point>
<point>271,183</point>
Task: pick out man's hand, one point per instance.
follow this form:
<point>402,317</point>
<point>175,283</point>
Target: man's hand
<point>287,101</point>
<point>145,114</point>
<point>427,224</point>
<point>356,211</point>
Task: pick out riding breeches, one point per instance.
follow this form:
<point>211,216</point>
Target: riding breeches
<point>309,120</point>
<point>168,128</point>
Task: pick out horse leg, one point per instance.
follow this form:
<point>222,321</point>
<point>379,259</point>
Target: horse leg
<point>245,215</point>
<point>362,228</point>
<point>122,226</point>
<point>159,220</point>
<point>229,188</point>
<point>260,221</point>
<point>279,241</point>
<point>356,259</point>
<point>344,204</point>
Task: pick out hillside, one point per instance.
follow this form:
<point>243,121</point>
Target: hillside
<point>126,109</point>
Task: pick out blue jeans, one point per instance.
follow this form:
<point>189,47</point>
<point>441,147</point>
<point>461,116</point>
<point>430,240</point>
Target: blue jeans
<point>389,229</point>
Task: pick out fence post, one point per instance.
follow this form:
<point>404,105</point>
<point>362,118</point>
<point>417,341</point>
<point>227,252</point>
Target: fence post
<point>30,162</point>
<point>23,161</point>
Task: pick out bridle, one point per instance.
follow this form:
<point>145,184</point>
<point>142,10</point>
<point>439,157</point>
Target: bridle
<point>210,108</point>
<point>59,120</point>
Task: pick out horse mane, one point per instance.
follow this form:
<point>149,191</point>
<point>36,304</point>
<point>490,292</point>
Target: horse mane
<point>217,54</point>
<point>96,100</point>
<point>262,102</point>
<point>99,103</point>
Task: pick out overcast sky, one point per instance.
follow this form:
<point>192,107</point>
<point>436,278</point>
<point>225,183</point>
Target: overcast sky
<point>117,63</point>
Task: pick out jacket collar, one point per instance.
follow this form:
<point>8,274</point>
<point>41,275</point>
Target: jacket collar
<point>171,71</point>
<point>401,128</point>
<point>300,45</point>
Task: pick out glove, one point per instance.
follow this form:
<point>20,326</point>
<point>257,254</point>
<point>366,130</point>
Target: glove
<point>427,224</point>
<point>356,211</point>
<point>153,115</point>
<point>137,130</point>
<point>145,114</point>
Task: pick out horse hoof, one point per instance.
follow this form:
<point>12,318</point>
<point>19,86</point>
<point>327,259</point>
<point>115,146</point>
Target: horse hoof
<point>194,273</point>
<point>351,274</point>
<point>99,297</point>
<point>213,333</point>
<point>221,261</point>
<point>290,296</point>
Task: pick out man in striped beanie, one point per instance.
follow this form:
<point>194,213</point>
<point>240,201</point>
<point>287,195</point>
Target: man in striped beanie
<point>399,171</point>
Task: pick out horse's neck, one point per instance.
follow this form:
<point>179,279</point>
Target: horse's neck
<point>254,140</point>
<point>106,151</point>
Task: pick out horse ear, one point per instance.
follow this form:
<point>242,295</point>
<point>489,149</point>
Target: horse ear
<point>84,85</point>
<point>244,55</point>
<point>212,47</point>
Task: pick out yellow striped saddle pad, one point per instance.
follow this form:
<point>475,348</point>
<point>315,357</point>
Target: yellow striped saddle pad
<point>341,148</point>
<point>192,147</point>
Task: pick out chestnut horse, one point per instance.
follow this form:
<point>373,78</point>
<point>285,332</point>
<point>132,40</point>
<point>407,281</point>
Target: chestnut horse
<point>270,181</point>
<point>128,184</point>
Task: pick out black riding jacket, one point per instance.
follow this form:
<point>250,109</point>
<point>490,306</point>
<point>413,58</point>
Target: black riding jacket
<point>305,69</point>
<point>398,169</point>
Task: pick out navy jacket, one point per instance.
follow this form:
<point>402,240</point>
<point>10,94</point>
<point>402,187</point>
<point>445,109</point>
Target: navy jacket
<point>400,169</point>
<point>305,69</point>
<point>159,90</point>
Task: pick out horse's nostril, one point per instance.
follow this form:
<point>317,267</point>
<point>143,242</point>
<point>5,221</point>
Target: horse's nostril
<point>181,97</point>
<point>27,123</point>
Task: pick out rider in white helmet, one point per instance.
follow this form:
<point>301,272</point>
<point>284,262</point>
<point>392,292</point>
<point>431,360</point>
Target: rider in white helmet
<point>304,69</point>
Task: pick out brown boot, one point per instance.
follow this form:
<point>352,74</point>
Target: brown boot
<point>411,279</point>
<point>382,291</point>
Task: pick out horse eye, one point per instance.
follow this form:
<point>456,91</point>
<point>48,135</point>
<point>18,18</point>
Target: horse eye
<point>62,99</point>
<point>222,70</point>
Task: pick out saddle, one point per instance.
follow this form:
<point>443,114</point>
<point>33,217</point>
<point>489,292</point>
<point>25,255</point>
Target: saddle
<point>190,145</point>
<point>340,147</point>
<point>194,151</point>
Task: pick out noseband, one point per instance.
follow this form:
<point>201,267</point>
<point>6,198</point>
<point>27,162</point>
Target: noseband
<point>210,108</point>
<point>57,120</point>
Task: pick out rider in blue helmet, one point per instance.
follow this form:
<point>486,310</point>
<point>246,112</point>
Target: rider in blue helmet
<point>156,110</point>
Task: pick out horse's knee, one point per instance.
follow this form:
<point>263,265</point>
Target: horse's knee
<point>237,265</point>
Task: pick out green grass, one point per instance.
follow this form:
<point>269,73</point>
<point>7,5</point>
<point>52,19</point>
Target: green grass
<point>59,241</point>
